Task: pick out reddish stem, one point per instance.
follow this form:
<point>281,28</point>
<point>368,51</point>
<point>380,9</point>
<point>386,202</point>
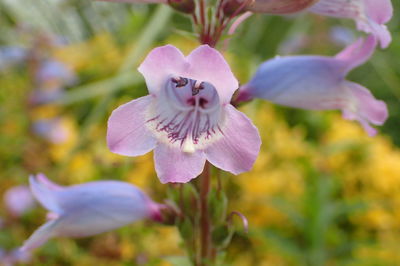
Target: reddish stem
<point>204,217</point>
<point>225,22</point>
<point>195,20</point>
<point>202,15</point>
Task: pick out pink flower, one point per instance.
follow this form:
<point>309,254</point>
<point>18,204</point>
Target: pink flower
<point>87,209</point>
<point>369,15</point>
<point>187,118</point>
<point>318,83</point>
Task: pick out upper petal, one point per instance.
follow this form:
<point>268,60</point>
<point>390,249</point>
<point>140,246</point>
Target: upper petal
<point>174,166</point>
<point>358,53</point>
<point>207,64</point>
<point>44,193</point>
<point>381,11</point>
<point>160,64</point>
<point>127,133</point>
<point>237,151</point>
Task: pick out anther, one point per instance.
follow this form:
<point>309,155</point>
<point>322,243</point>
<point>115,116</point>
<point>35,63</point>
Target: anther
<point>180,82</point>
<point>197,87</point>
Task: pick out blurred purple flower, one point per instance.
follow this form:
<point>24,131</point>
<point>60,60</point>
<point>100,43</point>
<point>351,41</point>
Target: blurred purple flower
<point>293,44</point>
<point>46,95</point>
<point>51,77</point>
<point>342,36</point>
<point>369,15</point>
<point>18,200</point>
<point>318,83</point>
<point>186,118</point>
<point>87,209</point>
<point>54,70</point>
<point>13,257</point>
<point>52,130</point>
<point>10,55</point>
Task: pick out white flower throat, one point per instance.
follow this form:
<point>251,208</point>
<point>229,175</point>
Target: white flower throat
<point>187,114</point>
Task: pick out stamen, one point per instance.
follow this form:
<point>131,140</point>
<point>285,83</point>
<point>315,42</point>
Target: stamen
<point>180,82</point>
<point>187,121</point>
<point>197,87</point>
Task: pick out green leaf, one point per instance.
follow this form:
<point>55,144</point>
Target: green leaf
<point>178,261</point>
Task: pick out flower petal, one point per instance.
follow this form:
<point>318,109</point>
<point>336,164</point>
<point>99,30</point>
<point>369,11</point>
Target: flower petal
<point>369,15</point>
<point>48,183</point>
<point>237,151</point>
<point>127,133</point>
<point>358,53</point>
<point>367,109</point>
<point>44,194</point>
<point>207,64</point>
<point>379,11</point>
<point>174,166</point>
<point>160,64</point>
<point>380,31</point>
<point>40,236</point>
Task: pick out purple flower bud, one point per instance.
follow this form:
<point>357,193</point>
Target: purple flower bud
<point>87,209</point>
<point>185,6</point>
<point>318,83</point>
<point>279,7</point>
<point>18,200</point>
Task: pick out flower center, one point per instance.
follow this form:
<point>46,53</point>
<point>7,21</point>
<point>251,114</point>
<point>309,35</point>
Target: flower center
<point>187,114</point>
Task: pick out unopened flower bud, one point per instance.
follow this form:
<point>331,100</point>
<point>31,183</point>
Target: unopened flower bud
<point>231,7</point>
<point>280,6</point>
<point>185,6</point>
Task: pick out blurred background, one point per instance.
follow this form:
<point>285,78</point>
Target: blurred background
<point>321,192</point>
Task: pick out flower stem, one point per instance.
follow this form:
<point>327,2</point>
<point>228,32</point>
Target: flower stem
<point>205,230</point>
